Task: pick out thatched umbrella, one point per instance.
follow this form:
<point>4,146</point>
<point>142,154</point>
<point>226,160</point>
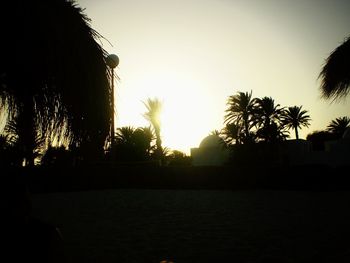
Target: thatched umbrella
<point>335,74</point>
<point>53,71</point>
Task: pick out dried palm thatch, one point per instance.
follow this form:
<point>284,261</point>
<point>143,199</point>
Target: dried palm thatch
<point>53,70</point>
<point>335,74</point>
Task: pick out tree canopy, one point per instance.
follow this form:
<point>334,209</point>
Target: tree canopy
<point>53,72</point>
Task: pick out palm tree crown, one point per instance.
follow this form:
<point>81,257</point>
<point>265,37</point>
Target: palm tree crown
<point>133,144</point>
<point>154,109</point>
<point>267,111</point>
<point>295,118</point>
<point>64,86</point>
<point>339,126</point>
<point>241,112</point>
<point>335,74</point>
<point>268,119</point>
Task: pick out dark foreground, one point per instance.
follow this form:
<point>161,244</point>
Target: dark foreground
<point>248,177</point>
<point>140,225</point>
<point>197,214</point>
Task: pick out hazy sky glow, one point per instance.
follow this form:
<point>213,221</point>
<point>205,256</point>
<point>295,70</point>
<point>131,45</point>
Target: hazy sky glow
<point>193,54</point>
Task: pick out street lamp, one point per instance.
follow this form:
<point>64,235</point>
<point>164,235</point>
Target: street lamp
<point>112,61</point>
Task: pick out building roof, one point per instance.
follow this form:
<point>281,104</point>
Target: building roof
<point>211,141</point>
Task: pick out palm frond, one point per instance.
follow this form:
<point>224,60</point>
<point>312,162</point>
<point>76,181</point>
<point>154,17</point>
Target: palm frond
<point>335,74</point>
<point>65,76</point>
<point>339,125</point>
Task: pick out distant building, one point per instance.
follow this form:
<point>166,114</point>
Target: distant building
<point>336,152</point>
<point>211,152</point>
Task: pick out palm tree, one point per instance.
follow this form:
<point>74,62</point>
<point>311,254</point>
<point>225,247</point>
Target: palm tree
<point>335,74</point>
<point>294,118</point>
<point>20,137</point>
<point>272,133</point>
<point>178,158</point>
<point>213,132</point>
<point>241,112</point>
<point>9,152</point>
<point>232,134</point>
<point>268,118</point>
<point>124,135</point>
<point>64,85</point>
<point>339,126</point>
<point>133,144</point>
<point>154,109</point>
<point>57,156</point>
<point>143,140</point>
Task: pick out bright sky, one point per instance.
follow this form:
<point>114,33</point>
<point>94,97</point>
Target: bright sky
<point>193,54</point>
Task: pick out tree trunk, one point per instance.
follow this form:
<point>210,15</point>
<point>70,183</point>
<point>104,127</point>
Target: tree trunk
<point>296,133</point>
<point>27,131</point>
<point>159,147</point>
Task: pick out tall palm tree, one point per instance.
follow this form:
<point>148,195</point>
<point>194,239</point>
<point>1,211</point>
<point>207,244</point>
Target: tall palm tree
<point>241,112</point>
<point>335,74</point>
<point>267,111</point>
<point>154,109</point>
<point>295,118</point>
<point>268,118</point>
<point>60,80</point>
<point>339,126</point>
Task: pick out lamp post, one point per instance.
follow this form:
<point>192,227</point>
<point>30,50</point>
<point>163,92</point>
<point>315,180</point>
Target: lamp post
<point>112,62</point>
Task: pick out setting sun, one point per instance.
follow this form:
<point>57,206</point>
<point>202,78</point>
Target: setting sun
<point>183,122</point>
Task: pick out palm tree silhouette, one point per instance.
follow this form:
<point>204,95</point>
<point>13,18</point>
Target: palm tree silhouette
<point>29,143</point>
<point>9,152</point>
<point>133,144</point>
<point>240,111</point>
<point>154,108</point>
<point>268,118</point>
<point>339,126</point>
<point>294,118</point>
<point>57,156</point>
<point>335,74</point>
<point>232,134</point>
<point>64,86</point>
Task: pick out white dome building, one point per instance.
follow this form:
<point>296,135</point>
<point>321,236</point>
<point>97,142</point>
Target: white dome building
<point>211,152</point>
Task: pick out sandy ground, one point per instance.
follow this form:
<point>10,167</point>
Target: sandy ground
<point>200,226</point>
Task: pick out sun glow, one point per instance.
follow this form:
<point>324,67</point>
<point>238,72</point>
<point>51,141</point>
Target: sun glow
<point>184,120</point>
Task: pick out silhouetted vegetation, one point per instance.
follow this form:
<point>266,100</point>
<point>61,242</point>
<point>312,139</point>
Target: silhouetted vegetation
<point>240,111</point>
<point>294,118</point>
<point>58,157</point>
<point>334,131</point>
<point>269,120</point>
<point>178,158</point>
<point>338,126</point>
<point>335,74</point>
<point>133,144</point>
<point>64,88</point>
<point>254,127</point>
<point>10,155</point>
<point>154,109</point>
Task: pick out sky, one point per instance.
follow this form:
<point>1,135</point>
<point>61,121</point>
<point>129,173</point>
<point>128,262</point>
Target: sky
<point>194,54</point>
